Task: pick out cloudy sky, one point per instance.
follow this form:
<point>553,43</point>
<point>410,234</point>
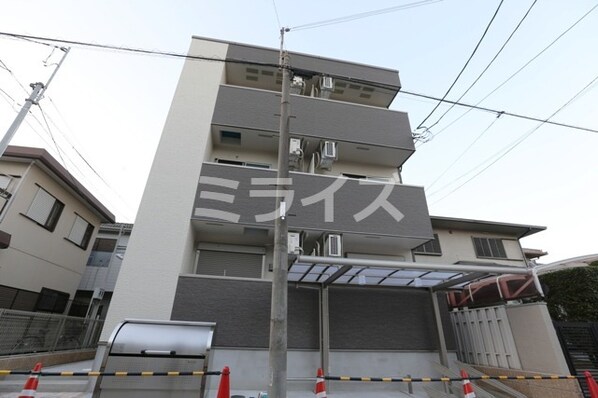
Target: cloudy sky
<point>106,109</point>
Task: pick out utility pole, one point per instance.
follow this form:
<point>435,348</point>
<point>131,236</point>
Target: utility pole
<point>36,95</point>
<point>278,307</point>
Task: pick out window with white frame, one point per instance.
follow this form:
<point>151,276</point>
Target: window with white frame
<point>45,209</point>
<point>81,232</point>
<point>489,247</point>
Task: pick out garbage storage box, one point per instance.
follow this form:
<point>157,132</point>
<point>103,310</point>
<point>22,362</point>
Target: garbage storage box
<point>156,346</point>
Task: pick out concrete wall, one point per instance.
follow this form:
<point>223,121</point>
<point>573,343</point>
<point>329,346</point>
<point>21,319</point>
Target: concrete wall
<point>536,340</point>
<point>38,257</point>
<point>162,242</point>
<point>249,371</point>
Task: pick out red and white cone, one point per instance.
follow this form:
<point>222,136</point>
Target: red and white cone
<point>30,387</point>
<point>320,384</point>
<point>467,387</point>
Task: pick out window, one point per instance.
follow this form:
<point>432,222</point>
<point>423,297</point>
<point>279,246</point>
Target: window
<point>101,252</point>
<point>229,263</point>
<point>50,300</point>
<point>430,248</point>
<point>5,194</point>
<point>81,232</point>
<point>489,247</point>
<point>230,137</point>
<point>45,209</point>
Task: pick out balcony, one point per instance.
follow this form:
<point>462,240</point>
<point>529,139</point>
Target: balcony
<point>356,83</point>
<point>235,195</point>
<point>378,135</point>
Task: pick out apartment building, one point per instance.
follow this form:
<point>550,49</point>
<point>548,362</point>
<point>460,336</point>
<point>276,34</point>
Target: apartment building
<point>366,284</point>
<point>103,265</point>
<point>48,221</point>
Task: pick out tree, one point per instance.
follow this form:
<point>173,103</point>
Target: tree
<point>573,293</point>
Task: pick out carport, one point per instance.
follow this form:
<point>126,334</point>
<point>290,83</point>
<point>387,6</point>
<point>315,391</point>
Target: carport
<point>329,271</point>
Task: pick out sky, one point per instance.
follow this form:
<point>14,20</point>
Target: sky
<point>106,109</point>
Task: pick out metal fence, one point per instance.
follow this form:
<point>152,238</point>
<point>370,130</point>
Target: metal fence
<point>23,332</point>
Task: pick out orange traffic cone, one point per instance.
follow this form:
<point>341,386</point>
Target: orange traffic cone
<point>467,388</point>
<point>592,385</point>
<point>320,384</point>
<point>224,386</point>
<point>30,386</point>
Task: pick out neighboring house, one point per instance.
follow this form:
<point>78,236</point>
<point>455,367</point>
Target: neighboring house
<point>366,291</point>
<point>97,284</point>
<point>48,222</point>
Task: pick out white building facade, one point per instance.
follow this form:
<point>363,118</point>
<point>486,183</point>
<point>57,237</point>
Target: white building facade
<point>48,222</point>
<point>362,295</point>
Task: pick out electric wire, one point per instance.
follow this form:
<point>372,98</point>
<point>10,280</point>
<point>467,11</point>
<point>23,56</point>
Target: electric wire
<point>303,71</point>
<point>497,112</point>
<point>362,15</point>
<point>276,13</point>
<point>9,70</point>
<point>463,153</point>
<point>487,66</point>
<point>464,66</point>
<point>76,185</point>
<point>519,70</point>
<point>506,150</point>
<point>140,50</point>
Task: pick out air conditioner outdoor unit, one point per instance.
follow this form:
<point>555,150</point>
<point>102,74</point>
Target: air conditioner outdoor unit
<point>295,148</point>
<point>98,293</point>
<point>329,150</point>
<point>294,243</point>
<point>297,85</point>
<point>333,245</point>
<point>326,86</point>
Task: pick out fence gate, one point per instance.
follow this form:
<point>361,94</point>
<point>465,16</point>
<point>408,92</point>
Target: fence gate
<point>579,341</point>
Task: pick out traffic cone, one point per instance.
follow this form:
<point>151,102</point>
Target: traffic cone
<point>592,385</point>
<point>30,386</point>
<point>224,386</point>
<point>467,387</point>
<point>320,384</point>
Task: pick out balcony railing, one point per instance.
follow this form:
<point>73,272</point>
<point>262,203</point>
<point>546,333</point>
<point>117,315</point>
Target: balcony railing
<point>245,195</point>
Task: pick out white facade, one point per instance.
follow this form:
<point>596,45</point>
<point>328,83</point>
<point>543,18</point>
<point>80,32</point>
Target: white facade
<point>50,225</point>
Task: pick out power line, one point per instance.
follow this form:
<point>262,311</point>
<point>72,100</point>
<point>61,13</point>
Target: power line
<point>5,67</point>
<point>362,15</point>
<point>303,71</point>
<point>463,153</point>
<point>464,66</point>
<point>517,142</point>
<point>498,113</point>
<point>487,66</point>
<point>139,50</point>
<point>276,12</point>
<point>520,69</point>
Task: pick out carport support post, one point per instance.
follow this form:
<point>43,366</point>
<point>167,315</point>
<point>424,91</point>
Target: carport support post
<point>324,330</point>
<point>439,330</point>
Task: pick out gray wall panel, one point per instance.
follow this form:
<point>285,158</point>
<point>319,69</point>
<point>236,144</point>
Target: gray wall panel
<point>312,63</point>
<point>257,109</point>
<point>350,199</point>
<point>384,319</point>
<point>360,318</point>
<point>241,310</point>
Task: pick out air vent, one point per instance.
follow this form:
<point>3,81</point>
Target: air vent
<point>267,73</point>
<point>366,96</point>
<point>251,78</point>
<point>354,87</point>
<point>252,70</point>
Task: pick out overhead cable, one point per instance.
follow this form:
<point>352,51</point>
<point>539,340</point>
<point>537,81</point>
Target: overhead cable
<point>349,78</point>
<point>506,150</point>
<point>464,66</point>
<point>487,66</point>
<point>432,135</point>
<point>362,15</point>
